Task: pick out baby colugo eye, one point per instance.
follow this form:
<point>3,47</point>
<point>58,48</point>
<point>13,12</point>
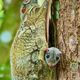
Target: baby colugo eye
<point>57,58</point>
<point>48,56</point>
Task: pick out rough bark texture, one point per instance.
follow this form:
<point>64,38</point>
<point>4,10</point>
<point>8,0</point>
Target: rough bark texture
<point>68,28</point>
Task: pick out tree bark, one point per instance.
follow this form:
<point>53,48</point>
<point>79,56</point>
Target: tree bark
<point>68,31</point>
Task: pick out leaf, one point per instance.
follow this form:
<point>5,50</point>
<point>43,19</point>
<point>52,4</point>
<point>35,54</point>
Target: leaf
<point>1,4</point>
<point>1,14</point>
<point>57,5</point>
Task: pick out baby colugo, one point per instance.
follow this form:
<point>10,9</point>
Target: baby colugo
<point>52,56</point>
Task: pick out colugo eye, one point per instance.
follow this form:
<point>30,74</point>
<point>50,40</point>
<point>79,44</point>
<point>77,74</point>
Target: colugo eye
<point>47,56</point>
<point>57,58</point>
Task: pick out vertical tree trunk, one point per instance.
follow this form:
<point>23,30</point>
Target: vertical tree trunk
<point>68,28</point>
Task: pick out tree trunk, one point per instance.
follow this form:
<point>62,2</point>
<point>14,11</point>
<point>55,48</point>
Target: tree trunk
<point>68,31</point>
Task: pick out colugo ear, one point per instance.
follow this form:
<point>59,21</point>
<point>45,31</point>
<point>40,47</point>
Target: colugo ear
<point>60,52</point>
<point>57,51</point>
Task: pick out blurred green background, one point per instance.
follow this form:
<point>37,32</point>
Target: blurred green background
<point>9,23</point>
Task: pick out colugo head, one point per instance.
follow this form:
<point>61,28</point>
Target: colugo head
<point>52,56</point>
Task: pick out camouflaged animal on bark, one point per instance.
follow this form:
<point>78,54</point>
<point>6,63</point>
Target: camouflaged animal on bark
<point>29,43</point>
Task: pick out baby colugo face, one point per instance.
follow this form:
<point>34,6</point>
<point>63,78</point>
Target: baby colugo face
<point>52,56</point>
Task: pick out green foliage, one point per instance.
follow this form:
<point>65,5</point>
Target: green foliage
<point>55,9</point>
<point>57,5</point>
<point>1,4</point>
<point>1,12</point>
<point>9,21</point>
<point>4,72</point>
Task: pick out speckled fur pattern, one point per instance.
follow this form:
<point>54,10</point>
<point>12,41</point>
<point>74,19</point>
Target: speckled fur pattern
<point>28,43</point>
